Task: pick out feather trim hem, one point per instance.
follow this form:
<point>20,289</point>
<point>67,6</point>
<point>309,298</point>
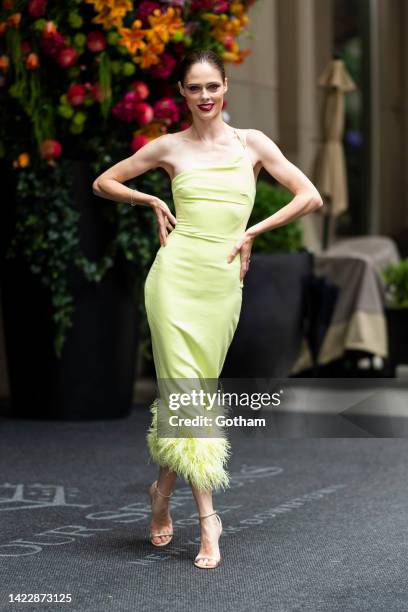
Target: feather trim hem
<point>200,461</point>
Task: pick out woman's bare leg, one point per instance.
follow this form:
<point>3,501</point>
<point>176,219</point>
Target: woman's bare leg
<point>210,528</point>
<point>161,520</point>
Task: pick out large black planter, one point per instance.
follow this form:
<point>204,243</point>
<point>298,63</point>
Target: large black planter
<point>94,377</point>
<point>397,329</point>
<point>270,329</point>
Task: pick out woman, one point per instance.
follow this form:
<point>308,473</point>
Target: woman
<point>193,291</point>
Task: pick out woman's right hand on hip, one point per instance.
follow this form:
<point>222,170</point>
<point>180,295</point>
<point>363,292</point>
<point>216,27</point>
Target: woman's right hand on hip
<point>165,218</point>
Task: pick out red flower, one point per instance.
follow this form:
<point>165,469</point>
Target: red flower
<point>200,5</point>
<point>52,44</point>
<point>76,94</point>
<point>144,113</point>
<point>67,57</point>
<point>138,142</point>
<point>96,41</point>
<point>164,68</point>
<point>50,149</point>
<point>36,8</point>
<point>228,42</point>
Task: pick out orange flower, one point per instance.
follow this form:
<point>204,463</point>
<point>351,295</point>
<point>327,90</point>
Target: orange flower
<point>14,20</point>
<point>49,29</point>
<point>32,61</point>
<point>236,57</point>
<point>3,27</point>
<point>22,161</point>
<point>149,57</point>
<point>110,12</point>
<point>164,25</point>
<point>132,38</point>
<point>237,8</point>
<point>4,62</point>
<point>222,26</point>
<point>152,130</point>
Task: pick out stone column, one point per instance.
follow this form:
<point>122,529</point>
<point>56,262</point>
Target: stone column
<point>253,85</point>
<point>389,106</point>
<point>305,44</point>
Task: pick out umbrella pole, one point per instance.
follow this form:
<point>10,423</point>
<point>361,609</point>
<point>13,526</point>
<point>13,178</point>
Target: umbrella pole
<point>329,222</point>
<point>325,238</point>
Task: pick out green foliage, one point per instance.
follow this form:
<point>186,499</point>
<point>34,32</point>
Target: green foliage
<point>396,278</point>
<point>288,238</point>
<point>47,236</point>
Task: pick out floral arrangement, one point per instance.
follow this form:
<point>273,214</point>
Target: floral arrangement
<point>94,80</point>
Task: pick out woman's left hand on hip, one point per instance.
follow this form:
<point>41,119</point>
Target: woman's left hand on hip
<point>244,247</point>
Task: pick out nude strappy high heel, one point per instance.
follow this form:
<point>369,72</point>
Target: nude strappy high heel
<point>156,491</point>
<point>198,558</point>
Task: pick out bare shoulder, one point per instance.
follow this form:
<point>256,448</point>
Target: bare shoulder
<point>166,145</point>
<point>158,147</point>
<point>257,138</point>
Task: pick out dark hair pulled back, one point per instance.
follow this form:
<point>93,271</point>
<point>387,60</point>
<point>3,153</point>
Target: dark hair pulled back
<point>200,55</point>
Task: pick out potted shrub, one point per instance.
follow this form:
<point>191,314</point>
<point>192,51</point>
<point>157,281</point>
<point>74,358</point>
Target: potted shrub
<point>270,329</point>
<point>396,311</point>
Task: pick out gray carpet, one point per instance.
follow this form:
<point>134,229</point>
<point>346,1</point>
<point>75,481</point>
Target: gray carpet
<point>309,524</point>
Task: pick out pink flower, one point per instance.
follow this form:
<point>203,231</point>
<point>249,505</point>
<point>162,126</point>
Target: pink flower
<point>141,89</point>
<point>36,8</point>
<point>221,6</point>
<point>76,94</point>
<point>138,142</point>
<point>67,57</point>
<point>166,109</point>
<point>96,41</point>
<point>122,112</point>
<point>130,98</point>
<point>50,149</point>
<point>164,68</point>
<point>144,113</point>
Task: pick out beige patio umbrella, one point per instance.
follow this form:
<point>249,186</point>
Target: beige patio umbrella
<point>330,170</point>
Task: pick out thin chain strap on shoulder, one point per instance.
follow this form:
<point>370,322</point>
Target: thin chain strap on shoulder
<point>241,140</point>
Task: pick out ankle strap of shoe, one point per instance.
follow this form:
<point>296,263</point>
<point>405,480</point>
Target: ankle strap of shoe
<point>162,494</point>
<point>207,515</point>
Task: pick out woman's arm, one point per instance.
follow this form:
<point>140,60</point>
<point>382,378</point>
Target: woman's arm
<point>109,184</point>
<point>307,199</point>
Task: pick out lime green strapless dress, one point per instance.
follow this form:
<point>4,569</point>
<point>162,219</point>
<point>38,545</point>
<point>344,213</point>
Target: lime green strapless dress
<point>193,300</point>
